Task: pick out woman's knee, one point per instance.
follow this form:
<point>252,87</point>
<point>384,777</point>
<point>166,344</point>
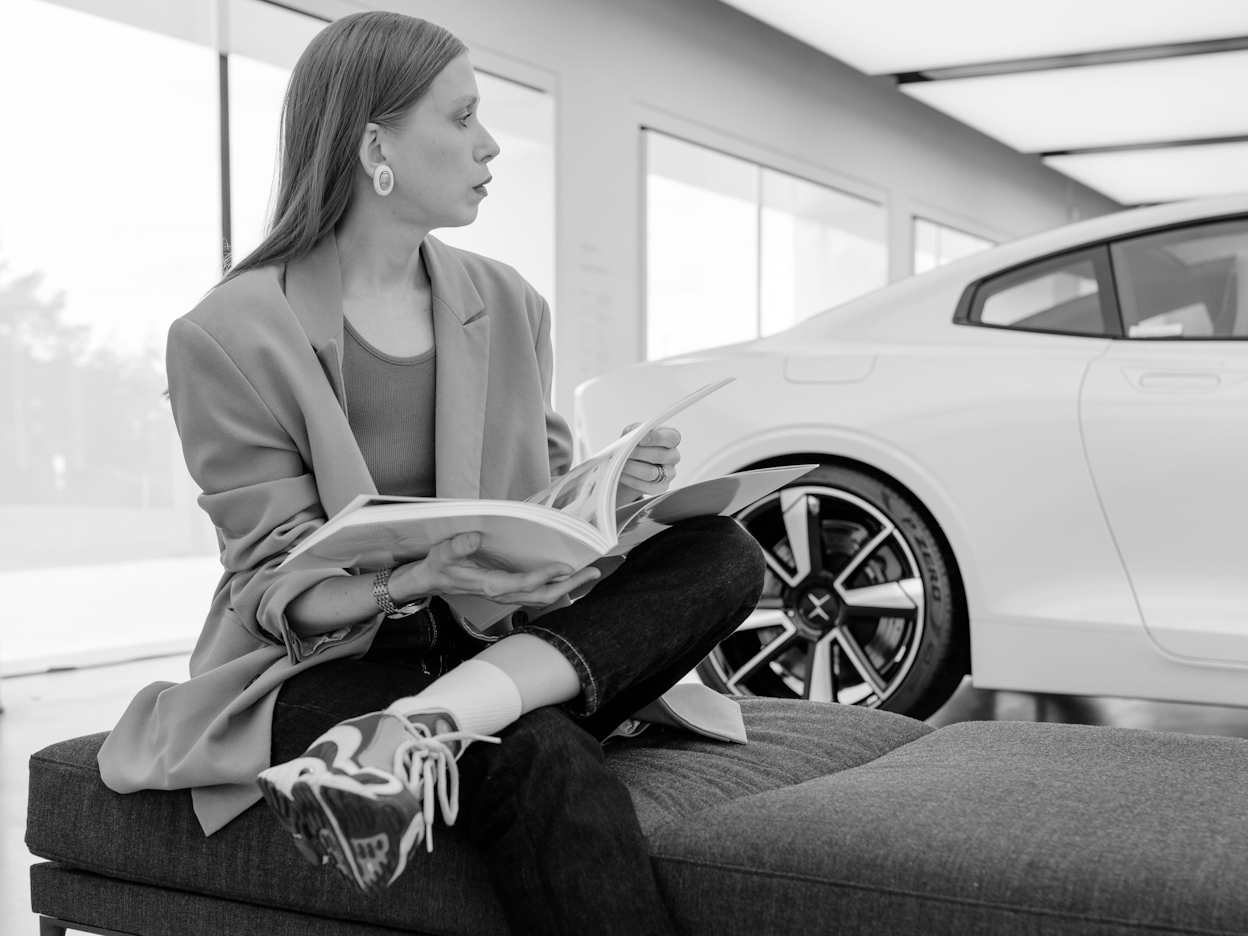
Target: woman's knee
<point>730,561</point>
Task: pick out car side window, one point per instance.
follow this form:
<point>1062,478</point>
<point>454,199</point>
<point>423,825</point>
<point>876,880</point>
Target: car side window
<point>1187,283</point>
<point>1067,295</point>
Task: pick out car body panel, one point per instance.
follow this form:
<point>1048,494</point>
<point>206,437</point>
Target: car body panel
<point>1167,440</point>
<point>995,431</point>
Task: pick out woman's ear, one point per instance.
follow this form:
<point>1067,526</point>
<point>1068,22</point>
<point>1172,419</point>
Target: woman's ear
<point>370,152</point>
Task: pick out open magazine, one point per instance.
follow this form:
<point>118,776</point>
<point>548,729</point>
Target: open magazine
<point>573,521</point>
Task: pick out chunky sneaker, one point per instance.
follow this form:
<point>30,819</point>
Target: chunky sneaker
<point>363,795</point>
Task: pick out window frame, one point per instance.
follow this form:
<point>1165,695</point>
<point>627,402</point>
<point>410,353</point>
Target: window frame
<point>961,313</point>
<point>974,296</point>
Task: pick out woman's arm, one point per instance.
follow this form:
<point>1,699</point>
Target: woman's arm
<point>449,569</point>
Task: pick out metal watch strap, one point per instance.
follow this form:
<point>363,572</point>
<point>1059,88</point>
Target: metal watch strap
<point>385,601</point>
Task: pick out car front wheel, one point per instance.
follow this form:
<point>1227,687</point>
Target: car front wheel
<point>859,604</point>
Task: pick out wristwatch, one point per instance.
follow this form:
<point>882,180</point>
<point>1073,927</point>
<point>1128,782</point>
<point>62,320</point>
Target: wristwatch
<point>385,601</point>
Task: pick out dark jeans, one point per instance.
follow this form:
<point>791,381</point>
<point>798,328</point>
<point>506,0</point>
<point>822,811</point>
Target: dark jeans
<point>556,828</point>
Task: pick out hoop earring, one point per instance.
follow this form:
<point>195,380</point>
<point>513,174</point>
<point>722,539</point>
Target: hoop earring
<point>383,180</point>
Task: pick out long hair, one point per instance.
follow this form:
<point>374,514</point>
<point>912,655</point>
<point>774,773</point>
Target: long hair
<point>364,68</point>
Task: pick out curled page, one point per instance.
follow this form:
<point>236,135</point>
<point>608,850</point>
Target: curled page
<point>588,490</point>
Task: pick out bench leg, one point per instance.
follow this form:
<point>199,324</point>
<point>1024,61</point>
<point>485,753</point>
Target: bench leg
<point>50,927</point>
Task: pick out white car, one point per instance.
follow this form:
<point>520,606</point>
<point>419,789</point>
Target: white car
<point>1034,465</point>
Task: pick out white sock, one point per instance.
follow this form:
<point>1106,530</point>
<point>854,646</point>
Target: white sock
<point>481,696</point>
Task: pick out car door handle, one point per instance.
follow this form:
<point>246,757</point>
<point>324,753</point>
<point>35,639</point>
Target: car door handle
<point>1172,380</point>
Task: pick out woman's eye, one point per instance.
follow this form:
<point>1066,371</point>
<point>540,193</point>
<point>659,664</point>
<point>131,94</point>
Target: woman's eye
<point>463,121</point>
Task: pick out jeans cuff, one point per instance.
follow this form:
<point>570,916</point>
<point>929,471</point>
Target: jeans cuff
<point>587,703</point>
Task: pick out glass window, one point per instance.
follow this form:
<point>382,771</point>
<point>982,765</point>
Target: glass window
<point>1186,283</point>
<point>97,256</point>
<point>735,250</point>
<point>820,248</point>
<point>701,247</point>
<point>1062,295</point>
<point>936,244</point>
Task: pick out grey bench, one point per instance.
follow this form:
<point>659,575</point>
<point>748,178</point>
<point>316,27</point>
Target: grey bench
<point>832,820</point>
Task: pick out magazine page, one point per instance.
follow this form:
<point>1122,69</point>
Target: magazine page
<point>514,536</point>
<point>588,490</point>
<point>718,496</point>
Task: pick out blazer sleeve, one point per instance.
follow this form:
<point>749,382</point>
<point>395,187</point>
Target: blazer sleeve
<point>256,488</point>
<point>558,435</point>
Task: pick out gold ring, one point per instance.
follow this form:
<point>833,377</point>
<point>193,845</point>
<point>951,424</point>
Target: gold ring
<point>662,474</point>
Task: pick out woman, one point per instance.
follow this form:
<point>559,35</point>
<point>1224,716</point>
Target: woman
<point>353,353</point>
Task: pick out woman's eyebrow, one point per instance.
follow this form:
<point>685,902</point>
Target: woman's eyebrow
<point>466,101</point>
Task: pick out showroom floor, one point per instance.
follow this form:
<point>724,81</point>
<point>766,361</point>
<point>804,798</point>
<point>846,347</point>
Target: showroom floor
<point>41,709</point>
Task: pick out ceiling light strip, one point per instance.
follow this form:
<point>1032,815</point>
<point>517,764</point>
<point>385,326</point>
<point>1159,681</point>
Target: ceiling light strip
<point>1076,60</point>
<point>1160,144</point>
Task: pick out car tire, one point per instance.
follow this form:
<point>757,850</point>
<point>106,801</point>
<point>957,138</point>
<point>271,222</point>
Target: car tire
<point>864,609</point>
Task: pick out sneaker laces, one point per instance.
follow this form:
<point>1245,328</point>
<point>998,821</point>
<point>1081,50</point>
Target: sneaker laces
<point>426,760</point>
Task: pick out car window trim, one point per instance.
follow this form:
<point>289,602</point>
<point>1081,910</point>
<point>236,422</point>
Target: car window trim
<point>1106,290</point>
<point>962,312</point>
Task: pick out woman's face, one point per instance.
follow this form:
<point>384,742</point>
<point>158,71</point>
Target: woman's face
<point>440,150</point>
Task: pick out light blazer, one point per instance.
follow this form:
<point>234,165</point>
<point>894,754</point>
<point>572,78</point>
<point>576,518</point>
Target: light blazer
<point>255,380</point>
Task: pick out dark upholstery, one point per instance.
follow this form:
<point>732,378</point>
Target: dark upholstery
<point>152,838</point>
<point>123,907</point>
<point>982,828</point>
<point>831,820</point>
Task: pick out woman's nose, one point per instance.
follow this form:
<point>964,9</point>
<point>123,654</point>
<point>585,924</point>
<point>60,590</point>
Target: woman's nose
<point>488,148</point>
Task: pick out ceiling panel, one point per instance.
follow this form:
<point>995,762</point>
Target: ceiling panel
<point>888,36</point>
<point>1188,98</point>
<point>1138,177</point>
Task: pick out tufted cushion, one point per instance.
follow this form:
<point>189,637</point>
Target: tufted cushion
<point>152,838</point>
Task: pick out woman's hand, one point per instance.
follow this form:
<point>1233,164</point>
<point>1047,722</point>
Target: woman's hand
<point>651,467</point>
<point>451,568</point>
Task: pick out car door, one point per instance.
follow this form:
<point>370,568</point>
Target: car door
<point>1165,422</point>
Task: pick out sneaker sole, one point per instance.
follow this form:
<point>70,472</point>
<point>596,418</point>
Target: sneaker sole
<point>321,831</point>
<point>371,832</point>
<point>284,809</point>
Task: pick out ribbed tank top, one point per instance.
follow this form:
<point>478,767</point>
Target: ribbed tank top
<point>390,405</point>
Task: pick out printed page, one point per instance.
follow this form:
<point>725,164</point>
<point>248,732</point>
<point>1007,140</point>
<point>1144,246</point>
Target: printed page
<point>719,496</point>
<point>588,491</point>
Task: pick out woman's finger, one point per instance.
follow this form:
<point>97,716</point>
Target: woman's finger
<point>471,579</point>
<point>647,473</point>
<point>656,456</point>
<point>663,436</point>
<point>549,594</point>
<point>465,544</point>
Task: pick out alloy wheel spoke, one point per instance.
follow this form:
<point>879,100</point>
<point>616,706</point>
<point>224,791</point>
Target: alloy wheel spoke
<point>764,617</point>
<point>778,568</point>
<point>858,659</point>
<point>820,682</point>
<point>764,656</point>
<point>896,599</point>
<point>801,523</point>
<point>863,555</point>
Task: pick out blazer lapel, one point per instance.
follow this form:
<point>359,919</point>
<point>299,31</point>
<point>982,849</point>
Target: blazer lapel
<point>462,336</point>
<point>314,292</point>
